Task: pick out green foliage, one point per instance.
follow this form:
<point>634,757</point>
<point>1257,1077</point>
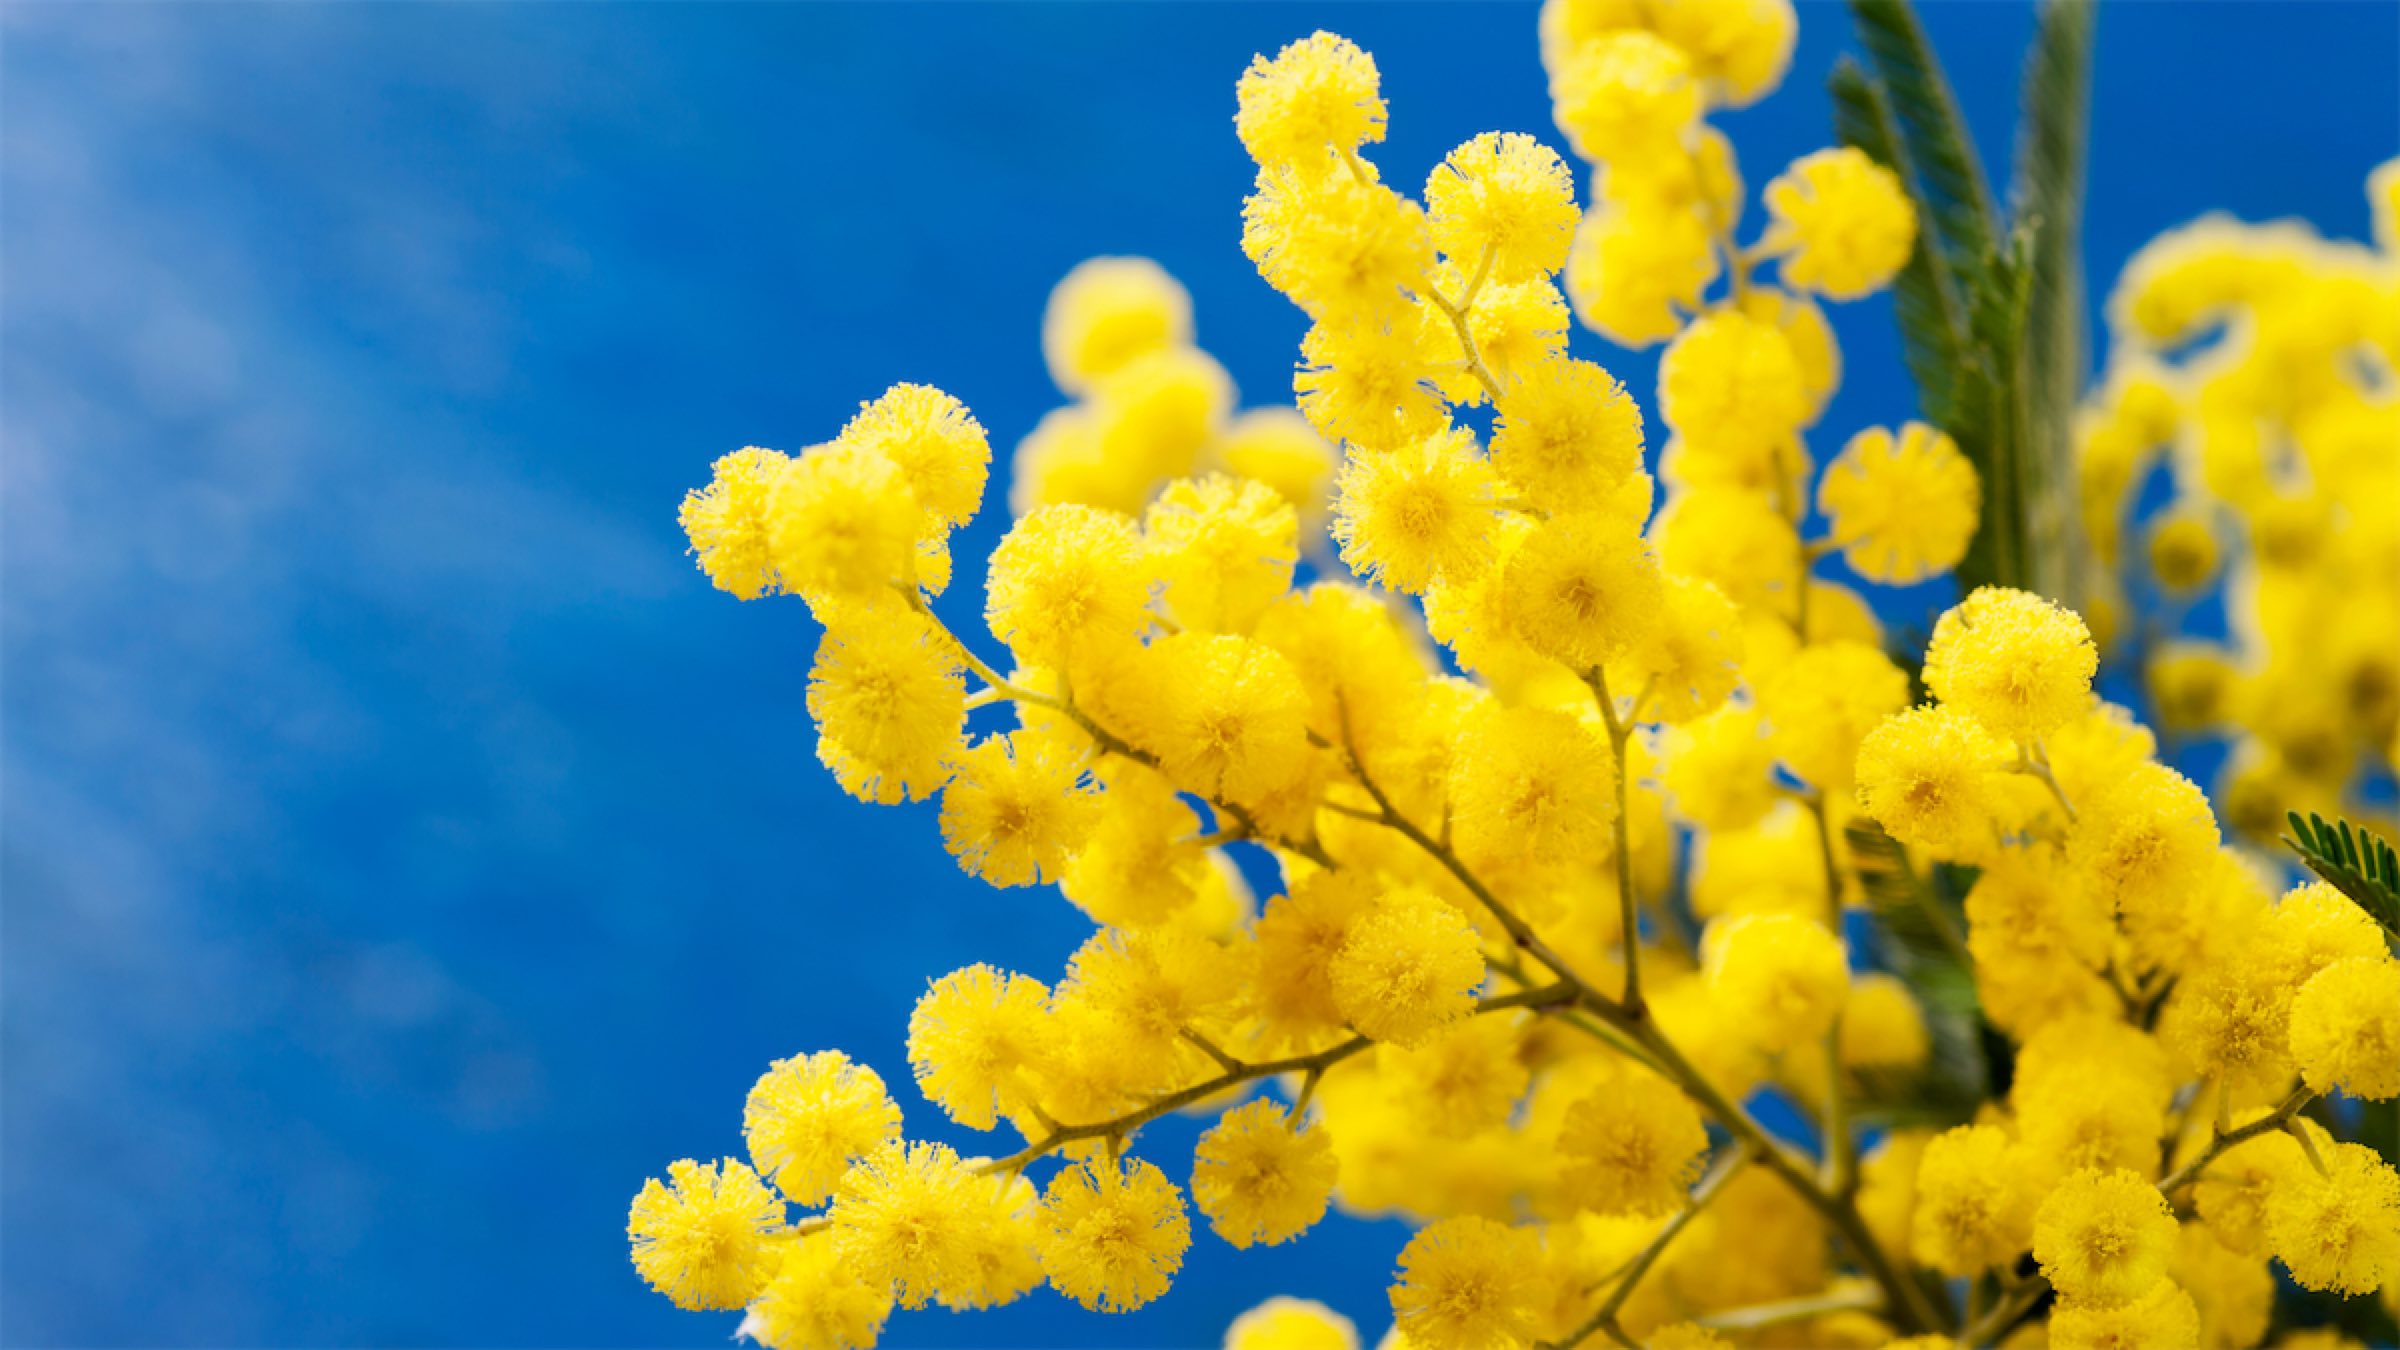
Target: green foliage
<point>1990,312</point>
<point>1917,937</point>
<point>2356,863</point>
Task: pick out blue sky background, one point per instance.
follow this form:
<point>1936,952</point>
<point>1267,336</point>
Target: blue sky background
<point>404,851</point>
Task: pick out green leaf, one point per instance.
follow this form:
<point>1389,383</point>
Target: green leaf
<point>2047,195</point>
<point>1933,323</point>
<point>1925,115</point>
<point>2355,862</point>
<point>1917,937</point>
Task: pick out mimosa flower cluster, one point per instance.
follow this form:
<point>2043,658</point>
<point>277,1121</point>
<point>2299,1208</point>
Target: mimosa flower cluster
<point>1589,800</point>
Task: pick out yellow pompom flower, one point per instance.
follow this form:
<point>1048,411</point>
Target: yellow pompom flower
<point>2346,1028</point>
<point>1568,435</point>
<point>2164,1318</point>
<point>1406,969</point>
<point>2145,841</point>
<point>1842,221</point>
<point>1107,311</point>
<point>1585,588</point>
<point>1515,326</point>
<point>1927,776</point>
<point>841,524</point>
<point>2104,1237</point>
<point>1972,1212</point>
<point>1734,539</point>
<point>1228,718</point>
<point>1407,517</point>
<point>728,522</point>
<point>1465,1080</point>
<point>1065,576</point>
<point>1781,977</point>
<point>1337,246</point>
<point>1370,383</point>
<point>2230,1022</point>
<point>1296,941</point>
<point>1883,1029</point>
<point>2340,1232</point>
<point>1530,782</point>
<point>1139,867</point>
<point>1690,660</point>
<point>1260,1180</point>
<point>1628,93</point>
<point>1467,1283</point>
<point>1112,1234</point>
<point>889,702</point>
<point>1507,193</point>
<point>1821,704</point>
<point>1802,323</point>
<point>1721,768</point>
<point>1732,385</point>
<point>2192,685</point>
<point>2016,662</point>
<point>1634,1147</point>
<point>1901,508</point>
<point>708,1238</point>
<point>1151,987</point>
<point>938,446</point>
<point>1016,807</point>
<point>973,1037</point>
<point>1319,93</point>
<point>1277,447</point>
<point>2183,550</point>
<point>816,1301</point>
<point>1283,1323</point>
<point>1636,269</point>
<point>808,1116</point>
<point>1225,548</point>
<point>1159,412</point>
<point>911,1216</point>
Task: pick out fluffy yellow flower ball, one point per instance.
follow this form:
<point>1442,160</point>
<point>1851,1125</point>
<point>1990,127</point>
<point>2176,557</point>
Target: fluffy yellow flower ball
<point>709,1237</point>
<point>1065,576</point>
<point>2104,1237</point>
<point>808,1116</point>
<point>727,522</point>
<point>1568,435</point>
<point>1016,808</point>
<point>1112,1234</point>
<point>816,1301</point>
<point>1467,1283</point>
<point>1371,384</point>
<point>1972,1210</point>
<point>841,524</point>
<point>1284,1323</point>
<point>912,1217</point>
<point>1407,969</point>
<point>973,1037</point>
<point>1409,517</point>
<point>2014,661</point>
<point>1258,1179</point>
<point>1782,978</point>
<point>1319,93</point>
<point>1627,93</point>
<point>1107,311</point>
<point>1633,1147</point>
<point>1338,246</point>
<point>937,445</point>
<point>1733,387</point>
<point>1635,270</point>
<point>1927,776</point>
<point>2346,1028</point>
<point>1508,194</point>
<point>1883,1029</point>
<point>2166,1316</point>
<point>1901,508</point>
<point>1277,447</point>
<point>1227,716</point>
<point>1585,588</point>
<point>1842,221</point>
<point>1531,782</point>
<point>2339,1232</point>
<point>889,702</point>
<point>1821,704</point>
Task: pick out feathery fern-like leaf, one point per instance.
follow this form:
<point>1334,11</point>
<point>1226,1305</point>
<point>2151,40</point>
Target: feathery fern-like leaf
<point>2047,194</point>
<point>2357,863</point>
<point>1935,136</point>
